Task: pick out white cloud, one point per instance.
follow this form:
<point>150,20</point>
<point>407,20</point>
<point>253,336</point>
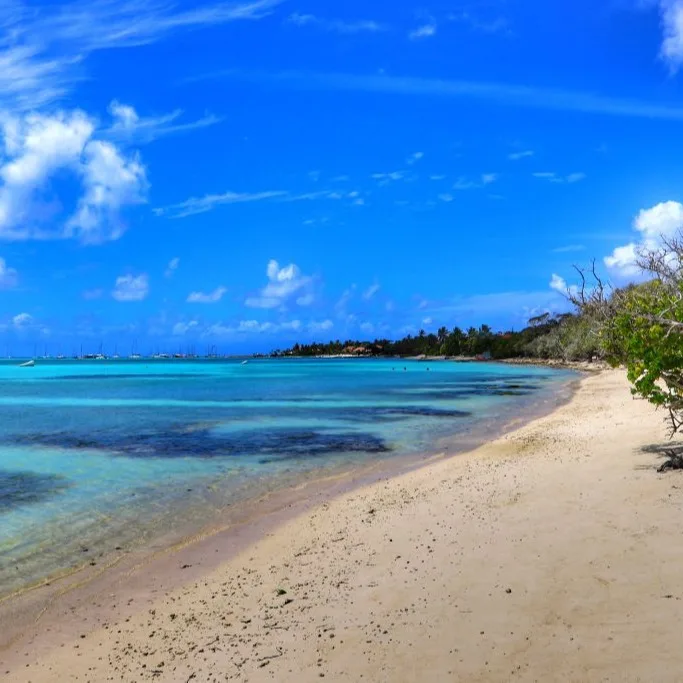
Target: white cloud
<point>343,301</point>
<point>446,197</point>
<point>293,325</point>
<point>622,261</point>
<point>8,276</point>
<point>39,147</point>
<point>663,220</point>
<point>196,205</point>
<point>424,31</point>
<point>498,93</point>
<point>516,156</point>
<point>555,178</point>
<point>414,158</point>
<point>368,328</point>
<point>386,178</point>
<point>22,320</point>
<point>437,177</point>
<point>427,321</point>
<point>498,25</point>
<point>462,183</point>
<point>306,299</point>
<point>558,284</point>
<point>370,292</point>
<point>128,125</point>
<point>131,287</point>
<point>180,329</point>
<point>283,284</point>
<point>323,326</point>
<point>172,267</point>
<point>568,249</point>
<point>671,50</point>
<point>336,25</point>
<point>206,297</point>
<point>43,48</point>
<point>111,182</point>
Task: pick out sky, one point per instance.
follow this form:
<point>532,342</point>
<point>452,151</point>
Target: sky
<point>243,175</point>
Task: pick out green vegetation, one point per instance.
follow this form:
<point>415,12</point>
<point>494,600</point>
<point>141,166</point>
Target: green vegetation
<point>565,337</point>
<point>641,327</point>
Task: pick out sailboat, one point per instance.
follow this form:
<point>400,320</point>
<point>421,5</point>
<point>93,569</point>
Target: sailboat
<point>28,364</point>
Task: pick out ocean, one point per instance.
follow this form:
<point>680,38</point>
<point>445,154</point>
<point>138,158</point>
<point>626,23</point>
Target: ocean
<point>102,456</point>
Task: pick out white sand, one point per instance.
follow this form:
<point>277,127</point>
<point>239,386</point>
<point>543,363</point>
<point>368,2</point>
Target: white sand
<point>552,554</point>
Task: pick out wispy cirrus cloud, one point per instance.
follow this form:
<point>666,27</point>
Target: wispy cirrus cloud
<point>336,25</point>
<point>516,156</point>
<point>129,126</point>
<point>505,94</point>
<point>555,178</point>
<point>197,205</point>
<point>569,248</point>
<point>42,49</point>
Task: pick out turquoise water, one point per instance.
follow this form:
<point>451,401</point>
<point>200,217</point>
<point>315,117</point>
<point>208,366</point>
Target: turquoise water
<point>97,456</point>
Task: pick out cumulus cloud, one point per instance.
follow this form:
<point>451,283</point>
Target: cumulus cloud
<point>671,50</point>
<point>131,287</point>
<point>665,220</point>
<point>22,320</point>
<point>558,283</point>
<point>283,284</point>
<point>37,148</point>
<point>111,182</point>
<point>207,297</point>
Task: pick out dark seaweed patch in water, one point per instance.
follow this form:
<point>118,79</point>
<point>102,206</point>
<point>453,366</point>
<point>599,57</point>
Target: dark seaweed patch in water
<point>277,444</point>
<point>395,413</point>
<point>24,488</point>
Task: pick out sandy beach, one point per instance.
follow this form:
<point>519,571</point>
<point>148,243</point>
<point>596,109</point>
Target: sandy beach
<point>550,554</point>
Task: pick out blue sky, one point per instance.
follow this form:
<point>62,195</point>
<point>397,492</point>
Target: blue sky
<point>252,173</point>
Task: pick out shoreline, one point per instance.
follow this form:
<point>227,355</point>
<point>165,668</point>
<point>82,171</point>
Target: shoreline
<point>77,590</point>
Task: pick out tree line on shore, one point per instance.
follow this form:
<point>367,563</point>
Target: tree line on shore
<point>563,337</point>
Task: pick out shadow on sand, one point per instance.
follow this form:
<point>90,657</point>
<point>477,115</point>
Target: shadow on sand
<point>671,452</point>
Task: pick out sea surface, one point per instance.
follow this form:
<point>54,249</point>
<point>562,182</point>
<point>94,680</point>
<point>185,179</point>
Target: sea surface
<point>104,455</point>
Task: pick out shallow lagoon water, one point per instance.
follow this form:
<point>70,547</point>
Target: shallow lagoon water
<point>98,455</point>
